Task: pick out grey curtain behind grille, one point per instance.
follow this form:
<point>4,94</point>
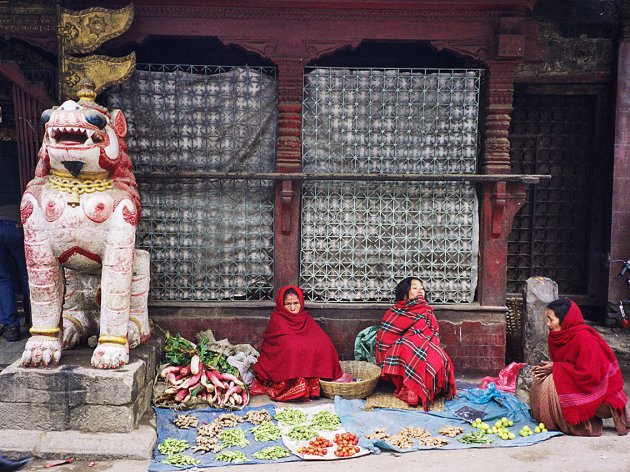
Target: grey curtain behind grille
<point>209,239</point>
<point>359,239</point>
<point>214,119</point>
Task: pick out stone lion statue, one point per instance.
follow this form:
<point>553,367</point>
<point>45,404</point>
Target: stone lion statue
<point>80,214</point>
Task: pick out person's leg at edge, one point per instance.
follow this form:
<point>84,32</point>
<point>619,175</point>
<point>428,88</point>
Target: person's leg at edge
<point>9,321</point>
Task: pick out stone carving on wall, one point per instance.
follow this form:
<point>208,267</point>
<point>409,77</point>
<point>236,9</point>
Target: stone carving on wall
<point>80,214</point>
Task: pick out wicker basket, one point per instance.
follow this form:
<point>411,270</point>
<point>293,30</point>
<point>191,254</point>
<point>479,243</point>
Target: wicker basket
<point>369,373</point>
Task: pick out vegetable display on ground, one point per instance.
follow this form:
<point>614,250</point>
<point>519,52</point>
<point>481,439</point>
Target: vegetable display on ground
<point>197,374</point>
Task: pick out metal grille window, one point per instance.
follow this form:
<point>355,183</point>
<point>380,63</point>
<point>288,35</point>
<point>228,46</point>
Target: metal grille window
<point>359,238</point>
<point>552,134</point>
<point>209,239</point>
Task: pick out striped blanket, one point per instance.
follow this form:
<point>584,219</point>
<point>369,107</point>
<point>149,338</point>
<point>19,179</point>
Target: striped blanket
<point>409,353</point>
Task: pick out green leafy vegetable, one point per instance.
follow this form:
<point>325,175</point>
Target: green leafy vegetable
<point>215,359</point>
<point>178,351</point>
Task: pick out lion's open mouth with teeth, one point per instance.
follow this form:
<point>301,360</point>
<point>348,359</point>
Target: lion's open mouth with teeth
<point>73,136</point>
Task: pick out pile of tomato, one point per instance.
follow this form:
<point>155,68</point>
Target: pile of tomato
<point>316,447</point>
<point>346,444</point>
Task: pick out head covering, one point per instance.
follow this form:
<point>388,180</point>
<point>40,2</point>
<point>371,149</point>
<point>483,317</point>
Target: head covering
<point>585,370</point>
<point>295,346</point>
<point>293,317</point>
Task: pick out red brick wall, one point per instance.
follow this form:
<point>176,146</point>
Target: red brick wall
<point>475,338</point>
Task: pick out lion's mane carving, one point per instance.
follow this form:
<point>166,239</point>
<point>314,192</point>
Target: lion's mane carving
<point>80,214</point>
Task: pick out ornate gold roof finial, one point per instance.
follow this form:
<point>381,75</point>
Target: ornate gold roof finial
<point>86,91</point>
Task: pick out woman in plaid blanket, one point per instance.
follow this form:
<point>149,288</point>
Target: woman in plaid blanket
<point>408,348</point>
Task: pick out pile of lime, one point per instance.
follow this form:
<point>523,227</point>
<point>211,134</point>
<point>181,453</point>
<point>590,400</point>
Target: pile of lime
<point>527,431</point>
<point>501,428</point>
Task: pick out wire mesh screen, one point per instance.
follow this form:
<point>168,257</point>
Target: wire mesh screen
<point>379,121</point>
<point>208,239</point>
<point>552,134</point>
<point>212,118</point>
<point>360,238</point>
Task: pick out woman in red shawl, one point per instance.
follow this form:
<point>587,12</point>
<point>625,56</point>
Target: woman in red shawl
<point>582,384</point>
<point>408,348</point>
<point>295,352</point>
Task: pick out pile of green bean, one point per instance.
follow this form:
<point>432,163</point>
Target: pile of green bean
<point>272,453</point>
<point>181,460</point>
<point>232,456</point>
<point>326,420</point>
<point>476,437</point>
<point>301,433</point>
<point>233,437</point>
<point>172,446</point>
<point>290,416</point>
<point>266,431</point>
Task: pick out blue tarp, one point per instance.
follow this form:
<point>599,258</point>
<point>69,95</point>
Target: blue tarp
<point>488,404</point>
<point>362,423</point>
<point>167,429</point>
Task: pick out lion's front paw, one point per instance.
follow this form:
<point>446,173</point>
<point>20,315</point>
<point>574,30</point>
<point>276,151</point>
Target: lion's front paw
<point>110,356</point>
<point>41,350</point>
<point>71,337</point>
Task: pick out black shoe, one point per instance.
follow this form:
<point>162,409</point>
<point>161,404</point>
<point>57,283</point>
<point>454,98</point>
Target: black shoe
<point>11,333</point>
<point>7,465</point>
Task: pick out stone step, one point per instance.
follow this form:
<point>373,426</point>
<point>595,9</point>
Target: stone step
<point>137,444</point>
<point>75,396</point>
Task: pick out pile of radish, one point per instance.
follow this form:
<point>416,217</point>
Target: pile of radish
<point>198,382</point>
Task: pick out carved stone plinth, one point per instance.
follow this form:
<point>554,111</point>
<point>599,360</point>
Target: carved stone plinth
<point>75,396</point>
<point>539,291</point>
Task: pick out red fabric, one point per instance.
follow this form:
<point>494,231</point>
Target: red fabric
<point>257,388</point>
<point>585,370</point>
<point>409,352</point>
<point>506,381</point>
<point>295,346</point>
<point>294,389</point>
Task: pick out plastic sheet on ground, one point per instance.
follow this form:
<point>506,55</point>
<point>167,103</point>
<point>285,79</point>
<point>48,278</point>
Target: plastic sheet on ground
<point>516,409</point>
<point>166,429</point>
<point>363,423</point>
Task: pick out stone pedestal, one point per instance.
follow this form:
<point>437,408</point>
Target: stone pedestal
<point>73,396</point>
<point>539,291</point>
<point>524,383</point>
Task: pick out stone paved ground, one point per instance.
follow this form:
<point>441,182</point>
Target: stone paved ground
<point>609,453</point>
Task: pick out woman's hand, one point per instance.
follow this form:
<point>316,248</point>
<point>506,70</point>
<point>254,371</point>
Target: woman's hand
<point>542,370</point>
